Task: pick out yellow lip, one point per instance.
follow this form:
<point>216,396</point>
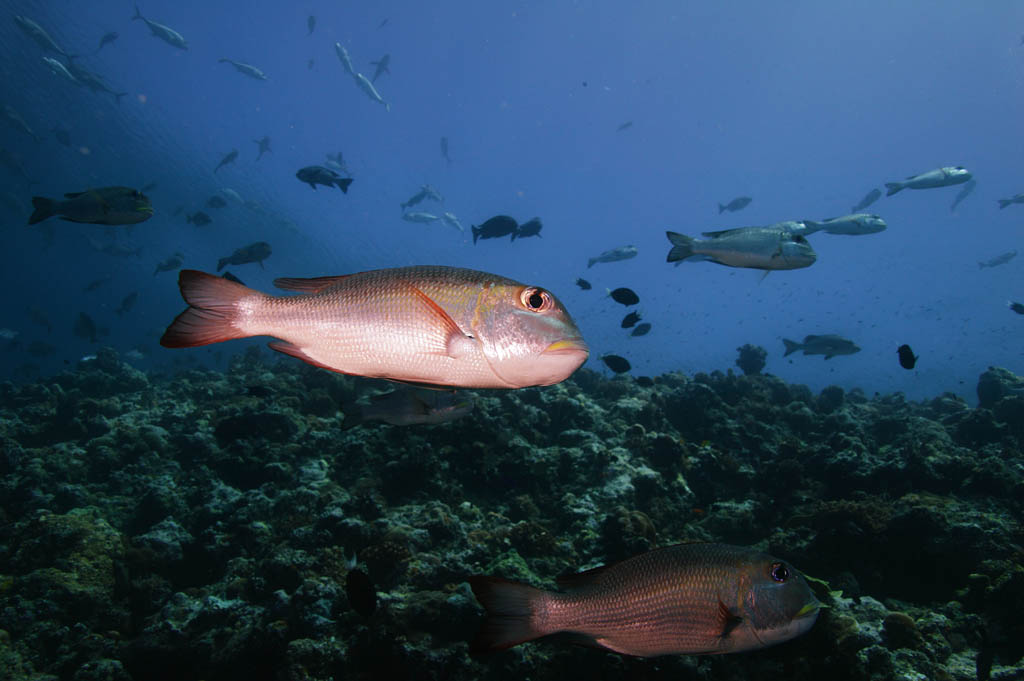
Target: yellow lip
<point>567,345</point>
<point>808,609</point>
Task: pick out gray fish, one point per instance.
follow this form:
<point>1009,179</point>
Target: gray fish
<point>625,126</point>
<point>531,227</point>
<point>947,176</point>
<point>739,203</point>
<point>424,218</point>
<point>165,33</point>
<point>127,303</point>
<point>426,192</point>
<point>228,158</point>
<point>382,66</point>
<point>1018,198</point>
<point>868,199</point>
<point>641,329</point>
<point>452,221</point>
<point>366,86</point>
<point>409,406</point>
<point>107,39</point>
<point>688,599</point>
<point>964,192</point>
<point>36,32</point>
<point>828,344</point>
<point>852,225</point>
<point>311,23</point>
<point>444,149</point>
<point>91,80</point>
<point>1001,259</point>
<point>314,175</point>
<point>15,119</point>
<point>264,146</point>
<point>760,248</point>
<point>247,69</point>
<point>346,61</point>
<point>58,69</point>
<point>95,284</point>
<point>170,264</point>
<point>614,255</point>
<point>116,249</point>
<point>256,252</point>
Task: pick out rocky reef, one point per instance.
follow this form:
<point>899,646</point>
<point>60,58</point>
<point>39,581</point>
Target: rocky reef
<point>201,525</point>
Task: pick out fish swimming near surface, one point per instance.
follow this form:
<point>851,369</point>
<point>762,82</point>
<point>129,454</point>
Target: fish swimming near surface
<point>444,149</point>
<point>36,32</point>
<point>868,199</point>
<point>1000,259</point>
<point>630,320</point>
<point>964,192</point>
<point>624,296</point>
<point>247,69</point>
<point>311,24</point>
<point>617,364</point>
<point>428,325</point>
<point>346,61</point>
<point>426,192</point>
<point>170,264</point>
<point>255,252</point>
<point>199,219</point>
<point>762,248</point>
<point>451,220</point>
<point>107,39</point>
<point>58,69</point>
<point>851,225</point>
<point>228,158</point>
<point>314,175</point>
<point>15,119</point>
<point>688,599</point>
<point>583,284</point>
<point>531,227</point>
<point>165,33</point>
<point>264,146</point>
<point>417,216</point>
<point>366,86</point>
<point>739,203</point>
<point>382,65</point>
<point>829,345</point>
<point>906,357</point>
<point>493,228</point>
<point>409,406</point>
<point>1017,198</point>
<point>947,176</point>
<point>102,206</point>
<point>127,303</point>
<point>641,329</point>
<point>614,255</point>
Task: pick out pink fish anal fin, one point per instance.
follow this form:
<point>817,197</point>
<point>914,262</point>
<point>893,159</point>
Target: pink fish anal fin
<point>314,285</point>
<point>452,341</point>
<point>297,352</point>
<point>610,645</point>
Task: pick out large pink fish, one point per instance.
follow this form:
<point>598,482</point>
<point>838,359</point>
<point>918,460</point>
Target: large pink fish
<point>430,325</point>
<point>697,599</point>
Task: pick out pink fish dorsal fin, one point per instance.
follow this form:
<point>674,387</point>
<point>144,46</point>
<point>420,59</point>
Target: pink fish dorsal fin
<point>582,580</point>
<point>314,285</point>
<point>451,340</point>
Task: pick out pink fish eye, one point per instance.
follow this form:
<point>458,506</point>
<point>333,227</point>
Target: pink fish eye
<point>779,572</point>
<point>535,299</point>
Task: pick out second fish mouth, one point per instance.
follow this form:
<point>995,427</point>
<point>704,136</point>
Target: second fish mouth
<point>567,346</point>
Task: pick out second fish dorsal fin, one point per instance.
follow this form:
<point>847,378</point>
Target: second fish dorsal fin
<point>314,285</point>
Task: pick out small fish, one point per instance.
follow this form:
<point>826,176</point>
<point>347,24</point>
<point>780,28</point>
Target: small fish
<point>761,248</point>
<point>739,203</point>
<point>36,32</point>
<point>165,33</point>
<point>382,66</point>
<point>427,325</point>
<point>624,296</point>
<point>531,227</point>
<point>1016,198</point>
<point>906,356</point>
<point>247,69</point>
<point>264,146</point>
<point>92,80</point>
<point>58,69</point>
<point>64,137</point>
<point>15,119</point>
<point>199,219</point>
<point>1001,259</point>
<point>337,162</point>
<point>85,327</point>
<point>311,24</point>
<point>426,192</point>
<point>101,206</point>
<point>171,263</point>
<point>346,61</point>
<point>630,320</point>
<point>1016,307</point>
<point>444,149</point>
<point>614,255</point>
<point>409,406</point>
<point>868,199</point>
<point>314,175</point>
<point>687,599</point>
<point>619,365</point>
<point>641,329</point>
<point>851,225</point>
<point>829,345</point>
<point>624,126</point>
<point>127,303</point>
<point>451,220</point>
<point>255,252</point>
<point>964,192</point>
<point>362,595</point>
<point>228,158</point>
<point>95,284</point>
<point>231,277</point>
<point>216,201</point>
<point>366,86</point>
<point>386,20</point>
<point>107,39</point>
<point>583,284</point>
<point>493,228</point>
<point>947,176</point>
<point>424,218</point>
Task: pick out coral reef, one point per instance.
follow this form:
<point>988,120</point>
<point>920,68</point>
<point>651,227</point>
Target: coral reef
<point>751,359</point>
<point>202,525</point>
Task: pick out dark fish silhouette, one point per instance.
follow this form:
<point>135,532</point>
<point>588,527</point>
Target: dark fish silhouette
<point>625,296</point>
<point>444,149</point>
<point>1016,307</point>
<point>1016,198</point>
<point>498,226</point>
<point>630,320</point>
<point>172,263</point>
<point>311,23</point>
<point>906,355</point>
<point>531,227</point>
<point>256,252</point>
<point>868,199</point>
<point>624,126</point>
<point>216,201</point>
<point>619,365</point>
<point>107,39</point>
<point>63,136</point>
<point>198,219</point>
<point>231,277</point>
<point>314,175</point>
<point>229,158</point>
<point>739,203</point>
<point>641,329</point>
<point>382,66</point>
<point>264,145</point>
<point>584,284</point>
<point>95,284</point>
<point>362,595</point>
<point>127,303</point>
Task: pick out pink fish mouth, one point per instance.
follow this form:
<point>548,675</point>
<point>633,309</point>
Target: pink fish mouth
<point>568,346</point>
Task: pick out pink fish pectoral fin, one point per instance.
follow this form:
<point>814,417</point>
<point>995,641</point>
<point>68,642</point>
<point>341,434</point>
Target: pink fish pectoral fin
<point>297,352</point>
<point>728,620</point>
<point>314,285</point>
<point>451,340</point>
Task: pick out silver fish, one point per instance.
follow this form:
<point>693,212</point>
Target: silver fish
<point>59,69</point>
<point>366,86</point>
<point>1001,259</point>
<point>760,248</point>
<point>346,61</point>
<point>424,218</point>
<point>247,69</point>
<point>947,176</point>
<point>165,33</point>
<point>856,224</point>
<point>452,221</point>
<point>868,199</point>
<point>36,32</point>
<point>614,255</point>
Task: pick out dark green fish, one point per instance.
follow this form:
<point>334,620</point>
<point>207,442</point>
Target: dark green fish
<point>102,206</point>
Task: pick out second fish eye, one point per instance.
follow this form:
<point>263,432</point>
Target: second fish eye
<point>535,299</point>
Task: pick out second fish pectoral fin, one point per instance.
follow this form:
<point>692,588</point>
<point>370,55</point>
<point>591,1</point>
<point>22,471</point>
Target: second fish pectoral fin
<point>446,337</point>
<point>728,619</point>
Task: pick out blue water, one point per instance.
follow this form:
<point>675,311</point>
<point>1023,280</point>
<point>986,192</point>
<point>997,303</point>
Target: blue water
<point>804,106</point>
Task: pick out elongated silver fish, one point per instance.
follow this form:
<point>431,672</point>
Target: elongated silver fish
<point>247,69</point>
<point>762,248</point>
<point>428,325</point>
<point>851,225</point>
<point>366,86</point>
<point>614,255</point>
<point>689,599</point>
<point>165,33</point>
<point>946,176</point>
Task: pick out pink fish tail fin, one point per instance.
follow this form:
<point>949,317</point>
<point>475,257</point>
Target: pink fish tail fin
<point>509,620</point>
<point>213,309</point>
<point>42,208</point>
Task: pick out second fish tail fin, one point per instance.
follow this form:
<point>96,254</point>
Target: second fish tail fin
<point>212,313</point>
<point>42,208</point>
<point>509,620</point>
